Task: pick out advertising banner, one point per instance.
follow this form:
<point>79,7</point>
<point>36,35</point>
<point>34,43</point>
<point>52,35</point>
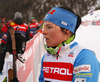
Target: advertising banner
<point>29,71</point>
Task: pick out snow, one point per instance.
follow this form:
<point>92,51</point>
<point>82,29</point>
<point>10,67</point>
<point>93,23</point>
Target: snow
<point>95,16</point>
<point>87,36</point>
<point>2,77</point>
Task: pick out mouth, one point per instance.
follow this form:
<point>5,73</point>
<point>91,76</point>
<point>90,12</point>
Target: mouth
<point>46,39</point>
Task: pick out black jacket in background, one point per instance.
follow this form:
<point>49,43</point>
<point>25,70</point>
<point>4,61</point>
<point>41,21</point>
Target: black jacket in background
<point>8,47</point>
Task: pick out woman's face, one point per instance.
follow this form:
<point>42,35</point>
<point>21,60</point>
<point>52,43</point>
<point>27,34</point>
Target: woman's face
<point>53,34</point>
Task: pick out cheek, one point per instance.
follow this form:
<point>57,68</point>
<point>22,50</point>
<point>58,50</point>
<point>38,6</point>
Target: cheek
<point>56,37</point>
<point>57,34</point>
<point>53,34</point>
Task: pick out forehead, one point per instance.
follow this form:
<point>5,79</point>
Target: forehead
<point>48,23</point>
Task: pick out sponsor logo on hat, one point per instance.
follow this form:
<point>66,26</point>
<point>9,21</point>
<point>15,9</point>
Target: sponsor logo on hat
<point>64,23</point>
<point>52,11</point>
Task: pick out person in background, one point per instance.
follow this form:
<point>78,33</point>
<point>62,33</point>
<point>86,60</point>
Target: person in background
<point>2,54</point>
<point>2,24</point>
<point>66,60</point>
<point>21,33</point>
<point>33,26</point>
<point>4,30</point>
<point>3,43</point>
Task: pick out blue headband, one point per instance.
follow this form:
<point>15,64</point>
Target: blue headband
<point>62,18</point>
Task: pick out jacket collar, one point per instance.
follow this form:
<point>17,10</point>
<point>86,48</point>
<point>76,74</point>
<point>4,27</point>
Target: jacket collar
<point>67,47</point>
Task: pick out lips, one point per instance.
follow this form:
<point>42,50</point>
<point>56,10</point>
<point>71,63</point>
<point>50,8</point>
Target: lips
<point>46,39</point>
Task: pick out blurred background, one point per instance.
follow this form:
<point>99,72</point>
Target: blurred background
<point>39,8</point>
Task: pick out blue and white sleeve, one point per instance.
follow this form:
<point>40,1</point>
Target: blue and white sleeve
<point>86,67</point>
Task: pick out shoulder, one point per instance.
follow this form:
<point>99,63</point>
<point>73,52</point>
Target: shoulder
<point>83,55</point>
<point>87,53</point>
<point>25,24</point>
<point>12,23</point>
<point>82,51</point>
<point>36,22</point>
<point>30,24</point>
<point>86,56</point>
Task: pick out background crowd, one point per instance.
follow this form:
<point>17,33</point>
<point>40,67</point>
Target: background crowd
<point>22,31</point>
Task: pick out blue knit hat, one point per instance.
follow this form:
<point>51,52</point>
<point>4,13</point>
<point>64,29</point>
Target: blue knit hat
<point>62,18</point>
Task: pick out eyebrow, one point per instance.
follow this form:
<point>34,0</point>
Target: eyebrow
<point>49,25</point>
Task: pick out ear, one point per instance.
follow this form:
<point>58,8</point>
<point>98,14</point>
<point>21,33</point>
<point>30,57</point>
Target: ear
<point>66,31</point>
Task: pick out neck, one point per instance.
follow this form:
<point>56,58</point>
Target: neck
<point>55,50</point>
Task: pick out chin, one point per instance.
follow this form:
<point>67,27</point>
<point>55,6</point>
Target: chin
<point>48,45</point>
<point>51,45</point>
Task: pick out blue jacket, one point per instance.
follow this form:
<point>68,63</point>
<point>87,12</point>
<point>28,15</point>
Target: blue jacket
<point>74,64</point>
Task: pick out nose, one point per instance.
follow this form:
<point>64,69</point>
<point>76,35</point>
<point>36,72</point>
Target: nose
<point>44,32</point>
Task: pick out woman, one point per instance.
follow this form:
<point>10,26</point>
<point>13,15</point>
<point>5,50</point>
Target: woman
<point>66,60</point>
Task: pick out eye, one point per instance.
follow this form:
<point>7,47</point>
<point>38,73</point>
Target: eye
<point>49,27</point>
